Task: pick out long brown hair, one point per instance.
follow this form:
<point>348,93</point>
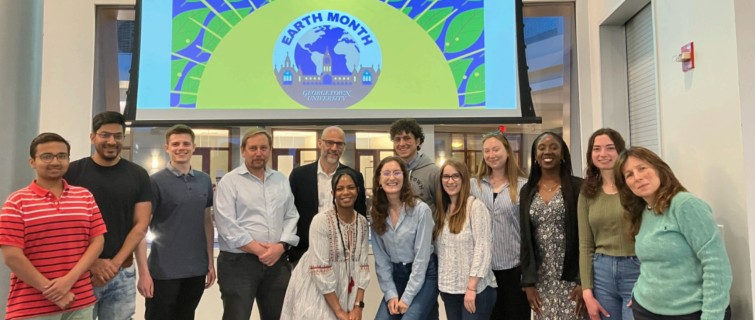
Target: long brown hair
<point>379,211</point>
<point>443,200</point>
<point>513,171</point>
<point>633,204</point>
<point>593,180</point>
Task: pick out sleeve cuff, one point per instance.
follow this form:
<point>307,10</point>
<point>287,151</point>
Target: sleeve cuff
<point>238,242</point>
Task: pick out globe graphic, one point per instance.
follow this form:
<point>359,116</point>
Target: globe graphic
<point>313,45</point>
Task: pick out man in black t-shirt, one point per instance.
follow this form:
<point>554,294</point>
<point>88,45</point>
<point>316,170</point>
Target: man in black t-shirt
<point>123,192</point>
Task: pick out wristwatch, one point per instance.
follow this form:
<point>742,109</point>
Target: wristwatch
<point>359,304</point>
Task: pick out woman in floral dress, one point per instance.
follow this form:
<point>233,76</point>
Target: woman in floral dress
<point>550,241</point>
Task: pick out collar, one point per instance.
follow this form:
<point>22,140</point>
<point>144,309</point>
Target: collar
<point>38,190</point>
<point>243,170</point>
<point>176,172</point>
<point>486,179</point>
<point>320,171</point>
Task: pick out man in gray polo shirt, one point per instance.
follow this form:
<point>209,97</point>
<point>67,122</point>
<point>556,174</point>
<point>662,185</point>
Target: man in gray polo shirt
<point>180,265</point>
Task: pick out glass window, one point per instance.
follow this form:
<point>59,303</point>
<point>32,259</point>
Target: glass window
<point>294,139</point>
<point>374,140</point>
<point>457,142</point>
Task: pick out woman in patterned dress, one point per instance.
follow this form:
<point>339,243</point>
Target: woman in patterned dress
<point>332,275</point>
<point>550,242</point>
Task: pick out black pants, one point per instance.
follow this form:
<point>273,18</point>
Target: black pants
<point>511,302</point>
<point>241,276</point>
<point>641,313</point>
<point>175,299</point>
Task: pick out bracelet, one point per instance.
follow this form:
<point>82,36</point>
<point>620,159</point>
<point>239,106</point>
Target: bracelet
<point>470,289</point>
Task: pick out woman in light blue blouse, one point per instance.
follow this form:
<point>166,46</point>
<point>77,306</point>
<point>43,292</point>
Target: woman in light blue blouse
<point>685,272</point>
<point>402,227</point>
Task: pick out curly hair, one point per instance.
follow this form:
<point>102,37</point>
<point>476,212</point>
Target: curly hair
<point>379,210</point>
<point>635,205</point>
<point>593,180</point>
<point>409,126</point>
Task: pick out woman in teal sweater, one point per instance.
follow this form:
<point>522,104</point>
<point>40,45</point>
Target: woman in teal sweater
<point>685,272</point>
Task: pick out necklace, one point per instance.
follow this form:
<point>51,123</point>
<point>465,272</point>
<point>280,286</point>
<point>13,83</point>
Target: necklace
<point>347,250</point>
<point>551,188</point>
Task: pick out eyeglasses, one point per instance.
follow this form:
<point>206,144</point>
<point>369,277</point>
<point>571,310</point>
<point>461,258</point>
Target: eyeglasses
<point>331,143</point>
<point>454,177</point>
<point>107,135</point>
<point>405,138</point>
<point>47,157</point>
<point>388,174</point>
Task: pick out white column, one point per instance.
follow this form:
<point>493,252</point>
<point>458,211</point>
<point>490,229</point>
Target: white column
<point>20,62</point>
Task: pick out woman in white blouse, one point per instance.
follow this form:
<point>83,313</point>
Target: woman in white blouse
<point>462,242</point>
<point>331,277</point>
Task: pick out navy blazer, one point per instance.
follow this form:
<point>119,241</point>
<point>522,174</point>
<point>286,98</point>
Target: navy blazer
<point>303,181</point>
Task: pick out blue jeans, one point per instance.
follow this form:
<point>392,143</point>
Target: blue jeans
<point>614,279</point>
<point>425,303</point>
<point>116,300</point>
<point>484,304</point>
<point>81,314</point>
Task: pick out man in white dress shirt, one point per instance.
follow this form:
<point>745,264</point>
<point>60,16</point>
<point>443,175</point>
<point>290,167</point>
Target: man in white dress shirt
<point>256,220</point>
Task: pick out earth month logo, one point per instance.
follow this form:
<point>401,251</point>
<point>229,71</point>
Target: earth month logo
<point>327,59</point>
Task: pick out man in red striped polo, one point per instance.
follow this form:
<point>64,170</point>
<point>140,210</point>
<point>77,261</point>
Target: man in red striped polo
<point>50,234</point>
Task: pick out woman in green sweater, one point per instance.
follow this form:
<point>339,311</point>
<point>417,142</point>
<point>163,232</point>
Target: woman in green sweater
<point>607,263</point>
<point>685,272</point>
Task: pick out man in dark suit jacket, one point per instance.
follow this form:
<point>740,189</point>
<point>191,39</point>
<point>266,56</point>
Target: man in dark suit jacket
<point>310,185</point>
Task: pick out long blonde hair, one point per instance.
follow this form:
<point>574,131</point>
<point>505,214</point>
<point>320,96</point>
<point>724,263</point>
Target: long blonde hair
<point>513,171</point>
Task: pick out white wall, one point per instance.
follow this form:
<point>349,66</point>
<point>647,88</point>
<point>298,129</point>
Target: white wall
<point>68,70</point>
<point>701,122</point>
<point>745,22</point>
<point>703,113</point>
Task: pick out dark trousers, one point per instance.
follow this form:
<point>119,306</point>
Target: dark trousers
<point>484,303</point>
<point>511,302</point>
<point>641,313</point>
<point>175,299</point>
<point>241,276</point>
